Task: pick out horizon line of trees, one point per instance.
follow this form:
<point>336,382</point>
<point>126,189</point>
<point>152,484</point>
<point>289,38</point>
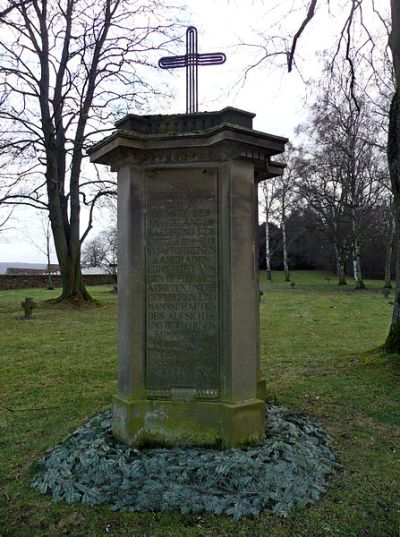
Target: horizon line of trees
<point>308,249</point>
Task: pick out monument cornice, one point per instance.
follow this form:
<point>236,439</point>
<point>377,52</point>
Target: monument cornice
<point>223,142</point>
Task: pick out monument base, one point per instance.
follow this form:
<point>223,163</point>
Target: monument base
<point>196,423</point>
<point>262,389</point>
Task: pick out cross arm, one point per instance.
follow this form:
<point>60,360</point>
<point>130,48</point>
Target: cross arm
<point>211,58</point>
<point>171,62</point>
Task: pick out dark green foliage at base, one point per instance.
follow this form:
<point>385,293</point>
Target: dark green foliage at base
<point>288,469</point>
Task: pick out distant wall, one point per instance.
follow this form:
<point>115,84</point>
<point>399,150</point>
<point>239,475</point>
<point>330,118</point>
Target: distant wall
<point>24,281</point>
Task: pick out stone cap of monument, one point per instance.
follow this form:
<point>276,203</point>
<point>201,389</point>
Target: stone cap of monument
<point>181,138</point>
<point>185,123</point>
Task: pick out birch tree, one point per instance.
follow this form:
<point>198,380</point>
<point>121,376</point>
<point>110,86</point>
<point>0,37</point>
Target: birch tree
<point>67,68</point>
<point>285,189</point>
<point>268,199</point>
<point>355,28</point>
<point>283,197</point>
<point>342,174</point>
<point>320,186</point>
<point>392,343</point>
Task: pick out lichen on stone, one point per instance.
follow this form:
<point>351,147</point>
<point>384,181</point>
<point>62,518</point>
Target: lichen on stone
<point>288,469</point>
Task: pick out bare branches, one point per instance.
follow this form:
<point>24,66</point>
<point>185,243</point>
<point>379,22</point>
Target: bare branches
<point>13,5</point>
<point>343,173</point>
<point>92,205</point>
<point>67,68</point>
<point>310,14</point>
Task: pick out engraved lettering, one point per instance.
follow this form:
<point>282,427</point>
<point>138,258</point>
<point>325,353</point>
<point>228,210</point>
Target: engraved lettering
<point>182,284</point>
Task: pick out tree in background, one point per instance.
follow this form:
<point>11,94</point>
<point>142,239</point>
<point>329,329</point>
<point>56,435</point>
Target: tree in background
<point>6,184</point>
<point>66,69</point>
<point>390,229</point>
<point>268,198</point>
<point>285,194</point>
<point>44,245</point>
<point>355,20</point>
<point>101,252</point>
<point>311,248</point>
<point>357,40</point>
<point>320,188</point>
<point>342,172</point>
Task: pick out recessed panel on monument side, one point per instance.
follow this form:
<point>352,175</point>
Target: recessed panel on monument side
<point>182,284</point>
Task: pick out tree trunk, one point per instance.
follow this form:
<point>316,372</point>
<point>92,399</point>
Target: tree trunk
<point>357,265</point>
<point>392,343</point>
<point>340,261</point>
<point>388,256</point>
<point>339,256</point>
<point>285,255</point>
<point>267,252</point>
<point>65,230</point>
<point>73,285</point>
<point>67,246</point>
<point>284,245</point>
<point>49,281</point>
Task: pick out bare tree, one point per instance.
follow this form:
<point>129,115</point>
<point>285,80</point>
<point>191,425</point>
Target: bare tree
<point>5,189</point>
<point>101,252</point>
<point>342,172</point>
<point>268,199</point>
<point>285,195</point>
<point>356,30</point>
<point>43,244</point>
<point>320,186</point>
<point>392,343</point>
<point>66,69</point>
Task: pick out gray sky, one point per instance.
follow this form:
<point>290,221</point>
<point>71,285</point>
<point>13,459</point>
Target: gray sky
<point>278,99</point>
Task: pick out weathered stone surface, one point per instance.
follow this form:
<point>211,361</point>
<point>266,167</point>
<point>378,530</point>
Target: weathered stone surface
<point>28,305</point>
<point>188,350</point>
<point>187,422</point>
<point>182,285</point>
<point>184,123</point>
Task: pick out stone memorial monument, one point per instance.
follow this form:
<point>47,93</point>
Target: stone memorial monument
<point>188,351</point>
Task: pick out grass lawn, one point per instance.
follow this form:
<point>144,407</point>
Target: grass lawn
<point>317,343</point>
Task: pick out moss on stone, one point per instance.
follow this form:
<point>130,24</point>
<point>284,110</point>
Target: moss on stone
<point>199,423</point>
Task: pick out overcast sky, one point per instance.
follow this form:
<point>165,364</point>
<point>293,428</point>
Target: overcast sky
<point>278,99</point>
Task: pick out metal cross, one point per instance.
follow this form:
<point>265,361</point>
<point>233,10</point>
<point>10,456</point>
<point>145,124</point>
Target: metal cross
<point>191,60</point>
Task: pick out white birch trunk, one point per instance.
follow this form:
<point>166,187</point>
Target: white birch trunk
<point>340,272</point>
<point>357,274</point>
<point>284,244</point>
<point>267,251</point>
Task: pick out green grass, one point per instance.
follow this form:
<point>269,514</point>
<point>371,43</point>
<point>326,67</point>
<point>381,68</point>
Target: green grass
<point>318,355</point>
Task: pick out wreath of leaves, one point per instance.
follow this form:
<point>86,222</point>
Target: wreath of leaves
<point>288,469</point>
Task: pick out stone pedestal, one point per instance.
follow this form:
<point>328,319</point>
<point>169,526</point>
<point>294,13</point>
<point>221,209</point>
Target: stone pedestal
<point>188,349</point>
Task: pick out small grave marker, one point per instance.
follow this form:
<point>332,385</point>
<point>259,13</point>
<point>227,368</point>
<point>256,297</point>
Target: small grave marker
<point>386,292</point>
<point>28,306</point>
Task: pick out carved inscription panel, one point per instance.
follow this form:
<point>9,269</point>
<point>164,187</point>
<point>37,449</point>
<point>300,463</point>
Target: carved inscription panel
<point>182,284</point>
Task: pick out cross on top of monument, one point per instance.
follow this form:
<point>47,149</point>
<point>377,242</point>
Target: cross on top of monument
<point>191,60</point>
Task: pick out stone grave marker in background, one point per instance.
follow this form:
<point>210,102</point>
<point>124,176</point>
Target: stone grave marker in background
<point>28,305</point>
<point>188,350</point>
